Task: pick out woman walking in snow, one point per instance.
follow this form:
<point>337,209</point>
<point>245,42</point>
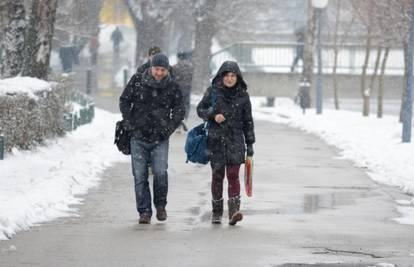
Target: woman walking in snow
<point>231,135</point>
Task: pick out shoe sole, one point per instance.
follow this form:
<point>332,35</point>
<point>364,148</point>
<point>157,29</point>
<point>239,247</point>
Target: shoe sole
<point>237,217</point>
<point>216,222</point>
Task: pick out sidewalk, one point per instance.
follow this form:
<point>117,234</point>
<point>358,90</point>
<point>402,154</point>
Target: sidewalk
<point>308,207</point>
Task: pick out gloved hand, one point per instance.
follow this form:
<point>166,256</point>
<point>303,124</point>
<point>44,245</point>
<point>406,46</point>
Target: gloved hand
<point>127,125</point>
<point>165,133</point>
<point>249,150</point>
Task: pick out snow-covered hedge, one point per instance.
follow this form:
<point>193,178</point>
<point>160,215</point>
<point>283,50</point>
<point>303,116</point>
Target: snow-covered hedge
<point>31,110</point>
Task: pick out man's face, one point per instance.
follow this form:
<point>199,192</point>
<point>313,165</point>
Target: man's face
<point>159,73</point>
<point>230,79</point>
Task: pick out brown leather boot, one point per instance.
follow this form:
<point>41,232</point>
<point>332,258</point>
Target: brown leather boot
<point>144,218</point>
<point>161,214</point>
<point>234,214</point>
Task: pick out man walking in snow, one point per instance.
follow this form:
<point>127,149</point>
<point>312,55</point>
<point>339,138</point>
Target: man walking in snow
<point>300,46</point>
<point>152,108</point>
<point>116,38</point>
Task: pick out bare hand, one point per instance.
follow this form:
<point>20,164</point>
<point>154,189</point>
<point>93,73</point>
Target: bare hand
<point>219,118</point>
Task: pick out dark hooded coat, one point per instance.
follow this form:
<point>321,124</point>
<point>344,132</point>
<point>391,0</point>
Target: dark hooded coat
<point>153,108</point>
<point>227,141</point>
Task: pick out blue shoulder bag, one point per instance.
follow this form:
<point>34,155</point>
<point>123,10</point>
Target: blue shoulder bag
<point>196,143</point>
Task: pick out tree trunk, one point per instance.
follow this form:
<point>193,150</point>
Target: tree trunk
<point>149,33</point>
<point>133,11</point>
<point>381,84</point>
<point>374,73</point>
<point>185,40</point>
<point>13,42</point>
<point>4,18</point>
<point>364,91</point>
<point>205,29</point>
<point>39,38</point>
<point>336,53</point>
<point>307,71</point>
<point>149,28</point>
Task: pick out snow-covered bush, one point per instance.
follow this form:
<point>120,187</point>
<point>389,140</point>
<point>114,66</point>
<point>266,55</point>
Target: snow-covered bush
<point>31,110</point>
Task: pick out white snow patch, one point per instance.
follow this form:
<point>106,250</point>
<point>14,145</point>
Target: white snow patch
<point>384,265</point>
<point>26,85</point>
<point>403,202</point>
<point>41,185</point>
<point>407,215</point>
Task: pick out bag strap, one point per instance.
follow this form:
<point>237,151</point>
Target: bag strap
<point>213,97</point>
<point>213,105</point>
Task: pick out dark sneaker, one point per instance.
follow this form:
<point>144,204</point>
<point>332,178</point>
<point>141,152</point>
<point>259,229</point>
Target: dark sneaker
<point>215,218</point>
<point>144,218</point>
<point>161,214</point>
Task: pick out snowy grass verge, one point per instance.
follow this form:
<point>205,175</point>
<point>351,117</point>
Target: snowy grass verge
<point>41,185</point>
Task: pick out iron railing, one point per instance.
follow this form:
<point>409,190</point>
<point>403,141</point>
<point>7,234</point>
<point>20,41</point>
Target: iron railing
<point>278,57</point>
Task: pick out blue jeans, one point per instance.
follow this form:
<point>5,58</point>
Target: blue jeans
<point>156,154</point>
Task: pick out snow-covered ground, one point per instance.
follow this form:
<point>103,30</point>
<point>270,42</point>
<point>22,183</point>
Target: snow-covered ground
<point>41,185</point>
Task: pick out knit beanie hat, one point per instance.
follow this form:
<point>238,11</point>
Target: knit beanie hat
<point>160,60</point>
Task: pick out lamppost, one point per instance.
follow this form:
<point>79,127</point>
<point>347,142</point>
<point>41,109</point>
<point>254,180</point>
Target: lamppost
<point>319,5</point>
<point>408,98</point>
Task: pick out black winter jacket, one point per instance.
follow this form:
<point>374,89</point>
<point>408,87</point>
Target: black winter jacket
<point>183,74</point>
<point>154,109</point>
<point>227,140</point>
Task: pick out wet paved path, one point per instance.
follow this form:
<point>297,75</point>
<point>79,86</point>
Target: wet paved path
<point>308,207</point>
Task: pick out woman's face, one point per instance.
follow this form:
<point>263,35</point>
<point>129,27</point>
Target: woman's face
<point>229,79</point>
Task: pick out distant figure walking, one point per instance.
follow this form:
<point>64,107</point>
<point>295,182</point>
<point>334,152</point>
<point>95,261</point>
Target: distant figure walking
<point>93,49</point>
<point>68,55</point>
<point>300,45</point>
<point>116,38</point>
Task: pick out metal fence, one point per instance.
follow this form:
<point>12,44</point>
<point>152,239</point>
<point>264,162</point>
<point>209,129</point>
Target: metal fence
<point>82,111</point>
<point>278,57</point>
